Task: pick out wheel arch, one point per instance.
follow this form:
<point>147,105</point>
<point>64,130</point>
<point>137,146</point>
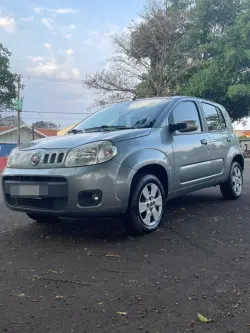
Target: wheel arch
<point>239,159</point>
<point>147,161</point>
<point>154,169</point>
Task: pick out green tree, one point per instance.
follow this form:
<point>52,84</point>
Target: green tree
<point>9,121</point>
<point>147,57</point>
<point>185,47</point>
<point>45,124</point>
<point>224,74</point>
<point>7,79</point>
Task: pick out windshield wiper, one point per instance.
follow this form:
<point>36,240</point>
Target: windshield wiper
<point>106,128</point>
<point>75,131</point>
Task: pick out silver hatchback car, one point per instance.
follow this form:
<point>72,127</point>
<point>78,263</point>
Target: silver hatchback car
<point>127,159</point>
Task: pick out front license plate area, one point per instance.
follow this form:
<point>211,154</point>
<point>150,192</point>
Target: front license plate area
<point>25,190</point>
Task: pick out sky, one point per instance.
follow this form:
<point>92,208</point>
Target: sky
<point>65,39</point>
<point>68,39</point>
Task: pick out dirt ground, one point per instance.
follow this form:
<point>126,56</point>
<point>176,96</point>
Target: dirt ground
<point>90,276</point>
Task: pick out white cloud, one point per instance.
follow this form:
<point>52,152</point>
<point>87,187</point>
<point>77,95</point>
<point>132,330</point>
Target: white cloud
<point>69,52</point>
<point>49,23</point>
<point>67,36</point>
<point>48,68</point>
<point>8,24</point>
<point>64,11</point>
<point>76,73</point>
<point>39,10</point>
<point>70,27</point>
<point>47,46</point>
<point>52,67</point>
<point>36,60</point>
<point>27,19</point>
<point>102,40</point>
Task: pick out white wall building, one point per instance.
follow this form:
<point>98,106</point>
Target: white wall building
<point>9,134</point>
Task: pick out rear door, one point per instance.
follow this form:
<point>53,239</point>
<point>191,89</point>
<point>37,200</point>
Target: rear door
<point>219,135</point>
<point>191,151</point>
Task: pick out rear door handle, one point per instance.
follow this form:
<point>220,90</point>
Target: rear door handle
<point>204,142</point>
<point>228,139</point>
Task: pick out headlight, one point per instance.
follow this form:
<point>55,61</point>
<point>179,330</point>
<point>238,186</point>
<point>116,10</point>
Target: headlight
<point>92,153</point>
<point>10,157</point>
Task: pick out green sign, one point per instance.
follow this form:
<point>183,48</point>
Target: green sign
<point>18,104</point>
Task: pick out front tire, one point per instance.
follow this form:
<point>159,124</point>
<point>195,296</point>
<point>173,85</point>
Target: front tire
<point>146,206</point>
<point>43,218</point>
<point>232,188</point>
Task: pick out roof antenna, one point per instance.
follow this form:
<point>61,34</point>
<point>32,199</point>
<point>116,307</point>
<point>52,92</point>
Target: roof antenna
<point>134,98</point>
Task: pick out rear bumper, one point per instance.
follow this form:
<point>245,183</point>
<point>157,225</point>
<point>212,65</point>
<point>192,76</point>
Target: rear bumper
<point>69,191</point>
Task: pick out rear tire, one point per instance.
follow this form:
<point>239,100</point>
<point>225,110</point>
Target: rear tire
<point>146,206</point>
<point>43,218</point>
<point>232,188</point>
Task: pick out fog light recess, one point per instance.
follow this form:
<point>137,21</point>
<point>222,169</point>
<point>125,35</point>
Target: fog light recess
<point>90,198</point>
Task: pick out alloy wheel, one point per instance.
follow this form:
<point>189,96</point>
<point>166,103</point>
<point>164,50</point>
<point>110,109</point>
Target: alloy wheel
<point>150,205</point>
<point>237,180</point>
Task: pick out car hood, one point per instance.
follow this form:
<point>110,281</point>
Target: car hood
<point>71,141</point>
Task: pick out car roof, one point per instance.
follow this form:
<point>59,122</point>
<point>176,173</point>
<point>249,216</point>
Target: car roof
<point>179,97</point>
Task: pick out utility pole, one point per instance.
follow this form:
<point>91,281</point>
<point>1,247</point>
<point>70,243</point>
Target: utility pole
<point>33,132</point>
<point>18,111</point>
<point>19,107</point>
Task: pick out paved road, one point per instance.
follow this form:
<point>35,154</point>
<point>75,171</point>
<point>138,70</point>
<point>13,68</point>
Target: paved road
<point>75,276</point>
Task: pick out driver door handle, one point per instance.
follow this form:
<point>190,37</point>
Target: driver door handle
<point>204,142</point>
<point>228,139</point>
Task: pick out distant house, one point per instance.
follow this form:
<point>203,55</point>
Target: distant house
<point>65,130</point>
<point>8,139</point>
<point>8,134</point>
<point>242,133</point>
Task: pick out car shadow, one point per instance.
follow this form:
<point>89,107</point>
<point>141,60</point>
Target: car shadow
<point>114,230</point>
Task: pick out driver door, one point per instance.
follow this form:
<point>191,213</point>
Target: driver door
<point>192,156</point>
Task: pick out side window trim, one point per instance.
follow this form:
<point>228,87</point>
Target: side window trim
<point>200,115</point>
<point>222,118</point>
<point>205,118</point>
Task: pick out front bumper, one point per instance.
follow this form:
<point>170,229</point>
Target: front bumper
<point>69,191</point>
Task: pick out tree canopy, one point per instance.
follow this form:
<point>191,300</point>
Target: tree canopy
<point>45,124</point>
<point>7,80</point>
<point>184,47</point>
<point>9,120</point>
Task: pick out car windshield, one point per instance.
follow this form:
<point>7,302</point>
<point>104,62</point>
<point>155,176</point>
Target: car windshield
<point>133,114</point>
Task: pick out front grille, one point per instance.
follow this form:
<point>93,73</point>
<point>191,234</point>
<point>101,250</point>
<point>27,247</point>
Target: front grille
<point>45,203</point>
<point>38,179</point>
<point>53,158</point>
<point>54,198</point>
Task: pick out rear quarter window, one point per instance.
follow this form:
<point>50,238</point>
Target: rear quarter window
<point>214,118</point>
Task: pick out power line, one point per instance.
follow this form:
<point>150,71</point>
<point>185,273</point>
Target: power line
<point>53,79</point>
<point>59,113</point>
<point>51,112</point>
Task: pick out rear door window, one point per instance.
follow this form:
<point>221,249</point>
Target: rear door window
<point>222,119</point>
<point>214,118</point>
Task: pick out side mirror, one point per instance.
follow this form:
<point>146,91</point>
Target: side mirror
<point>184,127</point>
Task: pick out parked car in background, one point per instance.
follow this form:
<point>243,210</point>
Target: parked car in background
<point>127,159</point>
